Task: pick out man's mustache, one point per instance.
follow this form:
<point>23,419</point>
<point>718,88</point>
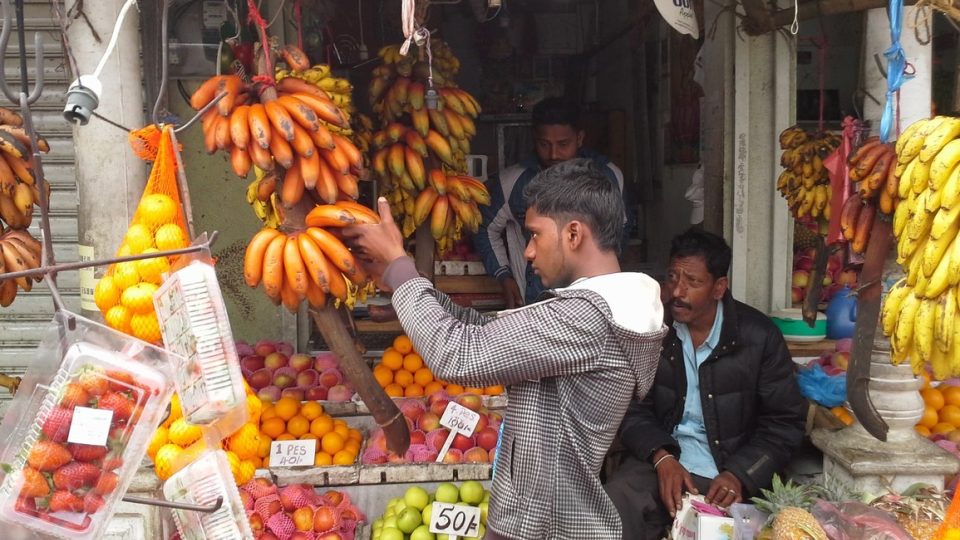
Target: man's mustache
<point>680,304</point>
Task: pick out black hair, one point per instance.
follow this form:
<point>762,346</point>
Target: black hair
<point>699,243</point>
<point>556,111</point>
<point>577,189</point>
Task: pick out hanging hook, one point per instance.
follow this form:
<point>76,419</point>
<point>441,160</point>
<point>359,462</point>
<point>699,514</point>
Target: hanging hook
<point>38,47</point>
<point>178,505</point>
<point>164,41</point>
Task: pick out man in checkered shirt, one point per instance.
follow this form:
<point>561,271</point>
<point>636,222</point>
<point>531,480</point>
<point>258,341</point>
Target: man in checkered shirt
<point>571,362</point>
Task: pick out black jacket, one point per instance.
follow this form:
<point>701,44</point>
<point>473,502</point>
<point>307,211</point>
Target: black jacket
<point>752,407</point>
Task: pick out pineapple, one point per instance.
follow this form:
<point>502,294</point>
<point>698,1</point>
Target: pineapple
<point>919,509</point>
<point>788,505</point>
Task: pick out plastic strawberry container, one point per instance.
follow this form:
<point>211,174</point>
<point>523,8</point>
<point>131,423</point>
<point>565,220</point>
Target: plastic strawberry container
<point>200,483</point>
<point>195,326</point>
<point>71,447</point>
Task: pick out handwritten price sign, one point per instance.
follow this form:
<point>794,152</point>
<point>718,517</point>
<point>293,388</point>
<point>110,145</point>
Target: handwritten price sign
<point>293,453</point>
<point>459,419</point>
<point>454,519</point>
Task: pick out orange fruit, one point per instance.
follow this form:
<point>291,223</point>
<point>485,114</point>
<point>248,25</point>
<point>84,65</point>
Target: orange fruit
<point>423,376</point>
<point>402,344</point>
<point>933,398</point>
<point>392,359</point>
<point>412,362</point>
<point>106,294</point>
<point>942,428</point>
<point>138,238</point>
<point>152,270</point>
<point>286,437</point>
<point>383,375</point>
<point>454,389</point>
<point>473,390</point>
<point>265,462</point>
<point>156,209</point>
<point>950,414</point>
<point>146,326</point>
<point>332,443</point>
<point>432,387</point>
<point>170,236</point>
<point>922,430</point>
<point>264,449</point>
<point>343,431</point>
<point>351,446</point>
<point>273,427</point>
<point>268,412</point>
<point>287,408</point>
<point>403,377</point>
<point>311,410</point>
<point>321,426</point>
<point>298,425</point>
<point>929,418</point>
<point>125,275</point>
<point>139,298</point>
<point>494,390</point>
<point>322,459</point>
<point>118,317</point>
<point>394,390</point>
<point>414,390</point>
<point>355,435</point>
<point>925,377</point>
<point>308,435</point>
<point>343,457</point>
<point>951,394</point>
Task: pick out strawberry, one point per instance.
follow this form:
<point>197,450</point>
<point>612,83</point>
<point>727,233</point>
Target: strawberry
<point>57,425</point>
<point>112,462</point>
<point>46,456</point>
<point>93,382</point>
<point>121,406</point>
<point>34,484</point>
<point>74,396</point>
<point>120,381</point>
<point>86,452</point>
<point>64,501</point>
<point>26,505</point>
<point>92,503</point>
<point>75,475</point>
<point>106,483</point>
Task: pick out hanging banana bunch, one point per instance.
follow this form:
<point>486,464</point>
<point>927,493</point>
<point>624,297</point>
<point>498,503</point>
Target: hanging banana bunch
<point>805,182</point>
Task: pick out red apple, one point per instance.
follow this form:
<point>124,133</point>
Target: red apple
<point>438,442</point>
<point>285,348</point>
<point>848,278</point>
<point>803,263</point>
<point>453,456</point>
<point>827,280</point>
<point>492,455</point>
<point>438,406</point>
<point>463,443</point>
<point>332,535</point>
<point>470,401</point>
<point>483,422</point>
<point>300,362</point>
<point>801,278</point>
<point>264,347</point>
<point>797,294</point>
<point>429,422</point>
<point>267,535</point>
<point>339,393</point>
<point>325,360</point>
<point>251,363</point>
<point>243,348</point>
<point>476,455</point>
<point>269,394</point>
<point>302,535</point>
<point>330,377</point>
<point>307,378</point>
<point>284,377</point>
<point>294,392</point>
<point>315,393</point>
<point>417,437</point>
<point>260,378</point>
<point>276,360</point>
<point>840,359</point>
<point>487,438</point>
<point>438,395</point>
<point>256,524</point>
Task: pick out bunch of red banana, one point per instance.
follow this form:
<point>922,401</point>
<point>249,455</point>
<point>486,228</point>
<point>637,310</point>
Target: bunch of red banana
<point>18,251</point>
<point>307,264</point>
<point>420,153</point>
<point>873,167</point>
<point>18,192</point>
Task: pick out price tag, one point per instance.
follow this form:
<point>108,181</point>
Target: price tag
<point>459,419</point>
<point>90,426</point>
<point>455,519</point>
<point>293,453</point>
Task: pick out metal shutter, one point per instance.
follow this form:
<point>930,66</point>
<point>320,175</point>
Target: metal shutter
<point>22,323</point>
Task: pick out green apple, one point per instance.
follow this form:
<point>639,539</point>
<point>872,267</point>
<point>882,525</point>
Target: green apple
<point>392,503</point>
<point>390,522</point>
<point>447,493</point>
<point>422,533</point>
<point>417,497</point>
<point>486,496</point>
<point>378,524</point>
<point>471,492</point>
<point>391,533</point>
<point>409,519</point>
<point>389,513</point>
<point>484,508</point>
<point>427,513</point>
<point>399,507</point>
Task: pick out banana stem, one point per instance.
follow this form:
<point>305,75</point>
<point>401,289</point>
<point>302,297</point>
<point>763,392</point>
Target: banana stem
<point>10,383</point>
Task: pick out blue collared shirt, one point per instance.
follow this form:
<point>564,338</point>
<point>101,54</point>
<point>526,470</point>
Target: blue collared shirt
<point>691,432</point>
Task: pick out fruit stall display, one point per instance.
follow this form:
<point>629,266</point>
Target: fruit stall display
<point>919,313</point>
<point>299,512</point>
<point>274,371</point>
<point>836,277</point>
<point>408,517</point>
<point>289,419</point>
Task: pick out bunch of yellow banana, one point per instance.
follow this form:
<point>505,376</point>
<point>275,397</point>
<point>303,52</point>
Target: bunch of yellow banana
<point>445,64</point>
<point>805,182</point>
<point>919,314</point>
<point>18,192</point>
<point>18,252</point>
<point>339,90</point>
<point>262,197</point>
<point>363,135</point>
<point>308,264</point>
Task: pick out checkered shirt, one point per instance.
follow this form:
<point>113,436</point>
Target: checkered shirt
<point>570,373</point>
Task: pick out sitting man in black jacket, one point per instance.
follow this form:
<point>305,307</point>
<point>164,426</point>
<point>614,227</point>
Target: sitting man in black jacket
<point>725,412</point>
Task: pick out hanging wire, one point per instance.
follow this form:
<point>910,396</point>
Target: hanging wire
<point>164,53</point>
<point>277,16</point>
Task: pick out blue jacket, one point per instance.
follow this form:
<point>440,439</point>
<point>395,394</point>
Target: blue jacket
<point>504,218</point>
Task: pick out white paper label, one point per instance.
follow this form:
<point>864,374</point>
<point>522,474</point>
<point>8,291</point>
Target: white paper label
<point>460,419</point>
<point>90,426</point>
<point>293,453</point>
<point>680,15</point>
<point>454,519</point>
<point>88,280</point>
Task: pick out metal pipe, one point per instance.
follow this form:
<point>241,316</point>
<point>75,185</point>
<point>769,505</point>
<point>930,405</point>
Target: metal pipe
<point>181,506</point>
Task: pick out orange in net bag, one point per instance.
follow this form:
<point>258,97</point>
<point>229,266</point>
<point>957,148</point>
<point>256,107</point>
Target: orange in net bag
<point>125,294</point>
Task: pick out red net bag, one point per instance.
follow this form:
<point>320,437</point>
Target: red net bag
<point>125,294</point>
<point>950,529</point>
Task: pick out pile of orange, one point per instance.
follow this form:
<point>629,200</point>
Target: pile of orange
<point>402,373</point>
<point>289,419</point>
<point>941,413</point>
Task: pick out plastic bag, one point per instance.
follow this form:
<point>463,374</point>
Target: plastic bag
<point>747,521</point>
<point>817,386</point>
<point>857,521</point>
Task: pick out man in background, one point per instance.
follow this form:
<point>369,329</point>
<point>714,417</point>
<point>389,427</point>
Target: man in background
<point>558,137</point>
